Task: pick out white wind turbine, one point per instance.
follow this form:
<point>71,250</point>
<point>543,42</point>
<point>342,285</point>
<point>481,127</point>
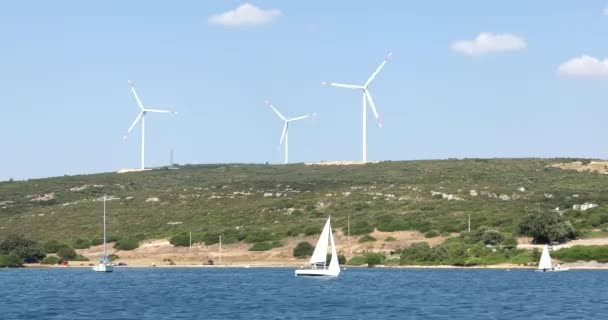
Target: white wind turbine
<point>366,97</point>
<point>142,116</point>
<point>285,134</point>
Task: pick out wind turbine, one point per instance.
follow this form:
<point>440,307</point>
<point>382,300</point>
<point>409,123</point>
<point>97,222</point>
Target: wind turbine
<point>142,116</point>
<point>285,134</point>
<point>366,97</point>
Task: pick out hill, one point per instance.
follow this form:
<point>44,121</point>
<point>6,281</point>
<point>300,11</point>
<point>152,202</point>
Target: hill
<point>255,203</point>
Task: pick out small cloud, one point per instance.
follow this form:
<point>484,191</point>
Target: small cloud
<point>487,42</point>
<point>245,15</point>
<point>606,10</point>
<point>584,66</point>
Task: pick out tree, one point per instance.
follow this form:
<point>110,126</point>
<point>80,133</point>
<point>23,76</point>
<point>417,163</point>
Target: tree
<point>52,246</point>
<point>509,243</point>
<point>491,237</point>
<point>303,250</point>
<point>66,254</point>
<point>180,240</point>
<point>546,226</point>
<point>373,258</point>
<point>27,249</point>
<point>11,260</point>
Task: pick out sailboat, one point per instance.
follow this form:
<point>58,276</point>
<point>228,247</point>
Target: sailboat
<point>104,265</point>
<point>545,264</point>
<point>318,262</point>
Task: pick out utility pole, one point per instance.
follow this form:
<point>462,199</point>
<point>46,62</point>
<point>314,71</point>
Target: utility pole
<point>469,222</point>
<point>220,250</point>
<point>190,247</point>
<point>348,237</point>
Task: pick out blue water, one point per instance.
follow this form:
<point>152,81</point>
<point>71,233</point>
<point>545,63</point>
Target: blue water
<point>231,293</point>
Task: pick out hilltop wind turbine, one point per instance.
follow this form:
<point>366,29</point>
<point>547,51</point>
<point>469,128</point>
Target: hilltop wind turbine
<point>142,116</point>
<point>285,134</point>
<point>366,97</point>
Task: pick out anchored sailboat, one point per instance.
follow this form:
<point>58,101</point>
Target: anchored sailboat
<point>318,261</point>
<point>545,264</point>
<point>104,264</point>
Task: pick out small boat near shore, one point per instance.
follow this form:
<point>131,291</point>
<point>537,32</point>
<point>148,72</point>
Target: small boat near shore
<point>104,265</point>
<point>546,265</point>
<point>318,262</point>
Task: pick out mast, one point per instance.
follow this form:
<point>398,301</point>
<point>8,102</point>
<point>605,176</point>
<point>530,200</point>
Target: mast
<point>105,257</point>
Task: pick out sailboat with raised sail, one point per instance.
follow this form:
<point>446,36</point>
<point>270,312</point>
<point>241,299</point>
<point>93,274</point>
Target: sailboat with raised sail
<point>104,265</point>
<point>318,262</point>
<point>545,264</point>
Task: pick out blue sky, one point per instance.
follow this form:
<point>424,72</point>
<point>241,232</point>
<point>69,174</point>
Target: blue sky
<point>66,102</point>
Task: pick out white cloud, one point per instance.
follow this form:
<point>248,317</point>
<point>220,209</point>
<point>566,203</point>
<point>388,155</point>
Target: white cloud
<point>487,42</point>
<point>584,66</point>
<point>245,15</point>
<point>606,11</point>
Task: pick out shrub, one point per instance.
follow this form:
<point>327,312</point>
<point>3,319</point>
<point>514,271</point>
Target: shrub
<point>82,244</point>
<point>492,237</point>
<point>50,260</point>
<point>509,243</point>
<point>341,259</point>
<point>431,234</point>
<point>582,253</point>
<point>357,261</point>
<point>360,227</point>
<point>387,239</point>
<point>52,246</point>
<point>28,250</point>
<point>180,240</point>
<point>366,238</point>
<point>474,261</point>
<point>265,246</point>
<point>303,250</point>
<point>11,260</point>
<point>113,257</point>
<point>546,226</point>
<point>126,244</point>
<point>373,258</point>
<point>66,253</point>
<point>311,230</point>
<point>99,241</point>
<point>79,257</point>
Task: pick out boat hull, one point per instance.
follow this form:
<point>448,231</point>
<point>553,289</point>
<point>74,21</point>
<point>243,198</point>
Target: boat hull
<point>316,273</point>
<point>102,267</point>
<point>553,270</point>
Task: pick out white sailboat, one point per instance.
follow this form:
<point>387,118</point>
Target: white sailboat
<point>318,262</point>
<point>545,264</point>
<point>104,265</point>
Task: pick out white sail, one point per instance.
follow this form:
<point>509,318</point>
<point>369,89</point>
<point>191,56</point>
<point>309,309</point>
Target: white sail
<point>319,256</point>
<point>545,259</point>
<point>334,265</point>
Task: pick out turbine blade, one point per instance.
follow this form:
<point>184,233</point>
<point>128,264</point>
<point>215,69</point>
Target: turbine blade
<point>283,134</point>
<point>341,85</point>
<point>373,106</point>
<point>302,117</point>
<point>135,122</point>
<point>141,106</point>
<point>371,78</point>
<point>162,111</point>
<point>275,110</point>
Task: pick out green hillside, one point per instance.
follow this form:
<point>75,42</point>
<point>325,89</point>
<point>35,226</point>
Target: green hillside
<point>270,202</point>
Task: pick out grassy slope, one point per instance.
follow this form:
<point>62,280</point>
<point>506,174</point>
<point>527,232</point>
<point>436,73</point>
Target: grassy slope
<point>221,198</point>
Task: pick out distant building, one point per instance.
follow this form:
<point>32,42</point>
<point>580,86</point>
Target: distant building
<point>584,207</point>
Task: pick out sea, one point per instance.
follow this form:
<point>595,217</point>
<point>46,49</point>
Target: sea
<point>274,293</point>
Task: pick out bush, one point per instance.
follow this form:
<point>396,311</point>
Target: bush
<point>99,241</point>
<point>546,226</point>
<point>388,239</point>
<point>52,246</point>
<point>373,258</point>
<point>360,227</point>
<point>79,257</point>
<point>66,253</point>
<point>431,234</point>
<point>509,243</point>
<point>113,257</point>
<point>126,244</point>
<point>474,261</point>
<point>303,250</point>
<point>82,244</point>
<point>492,237</point>
<point>366,238</point>
<point>11,260</point>
<point>357,261</point>
<point>341,259</point>
<point>50,260</point>
<point>28,250</point>
<point>582,253</point>
<point>180,240</point>
<point>265,246</point>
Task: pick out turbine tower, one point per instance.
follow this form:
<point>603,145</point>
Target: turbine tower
<point>142,116</point>
<point>285,134</point>
<point>366,97</point>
